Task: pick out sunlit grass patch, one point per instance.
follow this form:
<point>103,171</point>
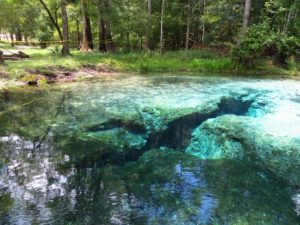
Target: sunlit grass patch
<point>196,61</point>
<point>213,65</point>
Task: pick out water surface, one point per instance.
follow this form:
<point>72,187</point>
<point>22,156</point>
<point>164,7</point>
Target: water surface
<point>111,151</point>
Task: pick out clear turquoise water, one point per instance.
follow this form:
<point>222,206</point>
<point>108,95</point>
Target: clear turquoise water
<point>93,154</point>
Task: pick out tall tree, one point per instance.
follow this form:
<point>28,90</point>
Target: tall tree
<point>18,33</point>
<point>188,23</point>
<point>246,16</point>
<point>65,28</point>
<point>203,22</point>
<point>87,38</point>
<point>162,26</point>
<point>291,14</point>
<point>11,34</point>
<point>106,42</point>
<point>148,31</point>
<point>101,27</point>
<point>110,44</point>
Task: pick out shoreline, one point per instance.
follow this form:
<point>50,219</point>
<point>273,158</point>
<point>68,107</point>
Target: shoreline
<point>44,69</point>
<point>40,80</point>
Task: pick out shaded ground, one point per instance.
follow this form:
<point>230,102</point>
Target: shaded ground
<point>59,75</point>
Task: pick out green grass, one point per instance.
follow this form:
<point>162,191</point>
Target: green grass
<point>195,61</point>
<point>191,61</point>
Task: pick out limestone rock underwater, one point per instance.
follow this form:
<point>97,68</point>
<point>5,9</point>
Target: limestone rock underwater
<point>116,153</point>
<point>246,139</point>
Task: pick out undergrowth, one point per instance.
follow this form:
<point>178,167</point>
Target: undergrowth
<point>196,61</point>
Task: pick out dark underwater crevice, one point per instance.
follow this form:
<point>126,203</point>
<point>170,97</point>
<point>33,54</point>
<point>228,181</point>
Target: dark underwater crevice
<point>178,133</point>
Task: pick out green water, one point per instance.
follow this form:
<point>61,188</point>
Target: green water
<point>112,151</point>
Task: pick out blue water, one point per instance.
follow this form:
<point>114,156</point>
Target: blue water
<point>100,153</point>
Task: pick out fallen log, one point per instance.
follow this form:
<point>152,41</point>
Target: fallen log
<point>16,56</point>
<point>11,58</point>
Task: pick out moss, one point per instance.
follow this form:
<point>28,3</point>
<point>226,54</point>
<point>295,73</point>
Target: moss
<point>30,79</point>
<point>35,80</point>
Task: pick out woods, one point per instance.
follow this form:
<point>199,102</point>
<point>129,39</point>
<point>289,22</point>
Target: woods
<point>162,25</point>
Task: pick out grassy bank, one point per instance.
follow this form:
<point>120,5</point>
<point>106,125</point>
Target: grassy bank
<point>195,61</point>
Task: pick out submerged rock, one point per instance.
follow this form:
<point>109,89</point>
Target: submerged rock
<point>245,138</point>
<point>169,187</point>
<point>125,136</point>
<point>115,145</point>
<point>65,152</point>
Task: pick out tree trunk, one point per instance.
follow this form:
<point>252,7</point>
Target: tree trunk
<point>102,36</point>
<point>203,25</point>
<point>127,45</point>
<point>148,32</point>
<point>291,14</point>
<point>65,28</point>
<point>26,39</point>
<point>1,58</point>
<point>87,38</point>
<point>52,19</point>
<point>78,33</point>
<point>187,37</point>
<point>286,24</point>
<point>18,34</point>
<point>12,39</point>
<point>110,45</point>
<point>105,37</point>
<point>101,28</point>
<point>162,26</point>
<point>246,16</point>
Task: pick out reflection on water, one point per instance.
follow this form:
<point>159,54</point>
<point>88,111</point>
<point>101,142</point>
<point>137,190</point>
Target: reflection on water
<point>66,159</point>
<point>296,199</point>
<point>163,187</point>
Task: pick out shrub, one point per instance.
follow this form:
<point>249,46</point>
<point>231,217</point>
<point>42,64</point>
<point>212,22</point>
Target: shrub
<point>55,50</point>
<point>260,41</point>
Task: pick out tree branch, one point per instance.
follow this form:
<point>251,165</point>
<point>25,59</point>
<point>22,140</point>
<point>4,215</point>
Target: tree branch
<point>52,19</point>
